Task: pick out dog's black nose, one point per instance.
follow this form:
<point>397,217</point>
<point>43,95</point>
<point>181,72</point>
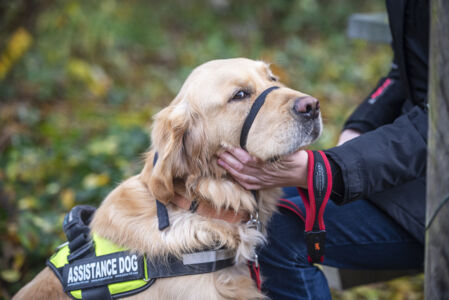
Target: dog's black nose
<point>307,106</point>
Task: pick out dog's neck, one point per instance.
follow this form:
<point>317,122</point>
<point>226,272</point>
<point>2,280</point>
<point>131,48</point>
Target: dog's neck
<point>219,193</point>
<point>217,189</point>
<point>205,209</point>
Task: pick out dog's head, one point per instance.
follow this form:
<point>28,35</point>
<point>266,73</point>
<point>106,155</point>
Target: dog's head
<point>210,111</point>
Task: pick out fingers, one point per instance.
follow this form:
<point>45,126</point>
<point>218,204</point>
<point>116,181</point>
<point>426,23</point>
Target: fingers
<point>241,161</point>
<point>226,159</point>
<point>254,174</point>
<point>247,181</point>
<point>237,171</point>
<point>243,156</point>
<point>240,165</point>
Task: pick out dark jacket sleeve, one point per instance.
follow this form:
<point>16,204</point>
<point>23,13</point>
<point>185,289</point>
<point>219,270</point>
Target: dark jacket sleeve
<point>382,158</point>
<point>382,106</point>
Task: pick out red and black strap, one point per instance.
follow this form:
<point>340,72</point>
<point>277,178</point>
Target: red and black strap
<point>291,206</point>
<point>254,270</point>
<point>315,198</point>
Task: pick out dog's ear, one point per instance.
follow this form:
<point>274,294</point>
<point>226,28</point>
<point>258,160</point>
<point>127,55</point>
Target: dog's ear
<point>178,137</point>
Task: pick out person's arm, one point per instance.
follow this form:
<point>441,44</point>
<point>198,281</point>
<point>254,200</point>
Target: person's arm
<point>382,158</point>
<point>375,161</point>
<point>382,106</point>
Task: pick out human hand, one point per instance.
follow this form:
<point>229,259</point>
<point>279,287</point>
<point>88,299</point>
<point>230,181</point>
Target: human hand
<point>346,135</point>
<point>254,174</point>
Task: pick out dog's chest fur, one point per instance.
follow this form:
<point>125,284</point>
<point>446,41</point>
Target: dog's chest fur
<point>128,218</point>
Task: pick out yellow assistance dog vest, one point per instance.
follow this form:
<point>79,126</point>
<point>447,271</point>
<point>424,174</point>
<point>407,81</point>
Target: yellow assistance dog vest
<point>91,267</point>
<point>122,272</point>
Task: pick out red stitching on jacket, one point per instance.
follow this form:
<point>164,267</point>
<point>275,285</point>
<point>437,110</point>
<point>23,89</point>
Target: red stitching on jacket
<point>381,89</point>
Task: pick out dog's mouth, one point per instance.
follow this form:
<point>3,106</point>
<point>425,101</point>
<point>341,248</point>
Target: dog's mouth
<point>313,131</point>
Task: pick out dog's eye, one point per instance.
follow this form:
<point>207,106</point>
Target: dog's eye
<point>240,95</point>
<point>273,78</point>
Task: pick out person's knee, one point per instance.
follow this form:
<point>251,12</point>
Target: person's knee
<point>285,241</point>
<point>289,192</point>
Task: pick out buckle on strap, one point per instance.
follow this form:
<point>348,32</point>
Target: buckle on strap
<point>76,228</point>
<point>77,221</point>
<point>315,241</point>
<point>254,222</point>
<point>81,251</point>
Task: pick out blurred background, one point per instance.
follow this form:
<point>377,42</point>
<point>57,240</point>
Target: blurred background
<point>80,81</point>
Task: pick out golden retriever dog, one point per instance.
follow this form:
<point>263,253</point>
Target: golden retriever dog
<point>204,119</point>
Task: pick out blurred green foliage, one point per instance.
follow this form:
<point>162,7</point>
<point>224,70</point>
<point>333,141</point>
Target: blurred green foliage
<point>407,288</point>
<point>80,80</point>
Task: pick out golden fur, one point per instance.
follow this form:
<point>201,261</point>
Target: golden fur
<point>188,134</point>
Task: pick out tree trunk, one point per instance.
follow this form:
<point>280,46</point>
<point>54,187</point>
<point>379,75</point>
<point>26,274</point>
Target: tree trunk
<point>437,234</point>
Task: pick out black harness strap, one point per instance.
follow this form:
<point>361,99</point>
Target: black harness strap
<point>162,213</point>
<point>76,228</point>
<point>194,205</point>
<point>260,100</point>
<point>96,293</point>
